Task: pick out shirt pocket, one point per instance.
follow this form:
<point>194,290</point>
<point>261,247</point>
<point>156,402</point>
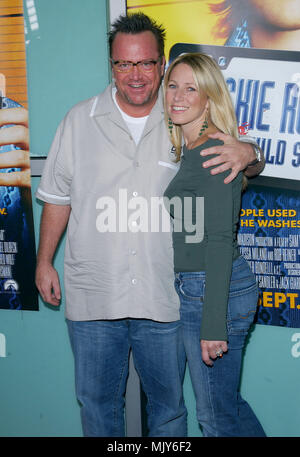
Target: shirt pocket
<point>168,165</point>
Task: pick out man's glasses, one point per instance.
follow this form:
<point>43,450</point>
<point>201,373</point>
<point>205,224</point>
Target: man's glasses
<point>125,66</point>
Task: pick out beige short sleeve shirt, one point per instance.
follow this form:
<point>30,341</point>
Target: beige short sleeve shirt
<point>118,253</point>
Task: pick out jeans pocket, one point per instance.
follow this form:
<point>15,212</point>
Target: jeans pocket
<point>163,327</point>
<point>192,288</point>
<point>242,306</point>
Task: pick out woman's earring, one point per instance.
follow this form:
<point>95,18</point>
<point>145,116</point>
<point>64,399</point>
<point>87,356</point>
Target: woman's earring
<point>204,125</point>
<point>170,125</point>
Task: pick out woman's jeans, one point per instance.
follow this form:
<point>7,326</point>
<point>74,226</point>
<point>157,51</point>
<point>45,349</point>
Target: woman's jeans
<point>101,350</point>
<point>221,411</point>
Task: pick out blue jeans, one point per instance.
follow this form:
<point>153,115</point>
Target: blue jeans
<point>221,411</point>
<point>101,351</point>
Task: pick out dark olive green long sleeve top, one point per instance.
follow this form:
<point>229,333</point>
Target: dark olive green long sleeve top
<point>214,246</point>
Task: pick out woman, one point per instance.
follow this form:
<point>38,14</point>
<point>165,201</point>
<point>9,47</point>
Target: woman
<point>217,290</point>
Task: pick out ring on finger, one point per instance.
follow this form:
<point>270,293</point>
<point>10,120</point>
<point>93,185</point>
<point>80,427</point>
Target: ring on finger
<point>219,352</point>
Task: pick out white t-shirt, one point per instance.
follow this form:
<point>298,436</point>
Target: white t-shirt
<point>135,124</point>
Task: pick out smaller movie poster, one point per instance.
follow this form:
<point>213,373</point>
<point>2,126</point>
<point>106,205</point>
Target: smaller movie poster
<point>17,243</point>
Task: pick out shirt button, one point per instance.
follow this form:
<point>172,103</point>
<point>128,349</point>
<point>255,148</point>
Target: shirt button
<point>133,252</point>
<point>133,281</point>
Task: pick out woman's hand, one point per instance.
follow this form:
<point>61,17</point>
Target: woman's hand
<point>17,134</point>
<point>212,349</point>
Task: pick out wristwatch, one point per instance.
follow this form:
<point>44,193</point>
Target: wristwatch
<point>258,151</point>
<point>258,154</point>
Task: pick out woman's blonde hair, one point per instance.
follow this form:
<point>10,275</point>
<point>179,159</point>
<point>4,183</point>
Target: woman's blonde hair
<point>209,79</point>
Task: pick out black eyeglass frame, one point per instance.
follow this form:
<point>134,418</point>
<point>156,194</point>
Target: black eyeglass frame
<point>135,64</point>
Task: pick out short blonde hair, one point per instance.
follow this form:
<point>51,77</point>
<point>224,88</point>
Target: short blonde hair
<point>209,79</point>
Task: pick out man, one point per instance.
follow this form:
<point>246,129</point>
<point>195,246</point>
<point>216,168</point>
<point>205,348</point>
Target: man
<point>111,155</point>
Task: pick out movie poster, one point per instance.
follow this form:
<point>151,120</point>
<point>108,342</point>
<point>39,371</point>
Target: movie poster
<point>17,243</point>
<point>257,46</point>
